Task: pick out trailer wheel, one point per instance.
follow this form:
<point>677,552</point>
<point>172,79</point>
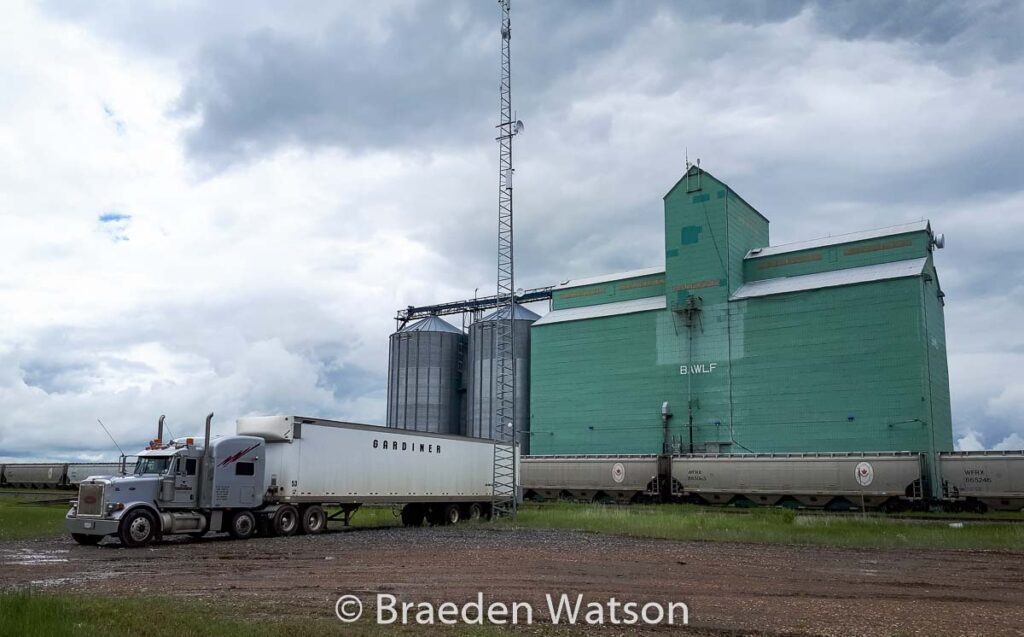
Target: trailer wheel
<point>243,525</point>
<point>435,515</point>
<point>285,521</point>
<point>451,515</point>
<point>474,512</point>
<point>412,515</point>
<point>314,520</point>
<point>87,540</point>
<point>138,528</point>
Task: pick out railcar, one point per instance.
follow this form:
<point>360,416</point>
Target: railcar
<point>625,478</point>
<point>78,471</point>
<point>983,480</point>
<point>34,475</point>
<point>815,480</point>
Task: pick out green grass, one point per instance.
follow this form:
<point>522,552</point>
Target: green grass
<point>372,516</point>
<point>774,526</point>
<point>31,614</point>
<point>20,520</point>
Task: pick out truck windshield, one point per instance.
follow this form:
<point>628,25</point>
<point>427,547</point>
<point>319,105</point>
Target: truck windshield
<point>153,464</point>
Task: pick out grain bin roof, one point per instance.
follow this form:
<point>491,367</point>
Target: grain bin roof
<point>520,314</point>
<point>834,278</point>
<point>431,324</point>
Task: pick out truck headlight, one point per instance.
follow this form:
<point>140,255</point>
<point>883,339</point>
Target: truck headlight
<point>115,506</point>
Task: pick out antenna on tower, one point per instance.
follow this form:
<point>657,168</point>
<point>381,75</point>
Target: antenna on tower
<point>504,484</point>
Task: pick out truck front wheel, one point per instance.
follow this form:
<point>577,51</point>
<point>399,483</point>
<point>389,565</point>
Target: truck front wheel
<point>138,528</point>
<point>243,525</point>
<point>86,540</point>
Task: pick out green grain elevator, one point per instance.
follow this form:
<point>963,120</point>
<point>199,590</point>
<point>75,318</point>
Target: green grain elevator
<point>834,344</point>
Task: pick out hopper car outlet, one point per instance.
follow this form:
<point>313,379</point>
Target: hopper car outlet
<point>278,475</point>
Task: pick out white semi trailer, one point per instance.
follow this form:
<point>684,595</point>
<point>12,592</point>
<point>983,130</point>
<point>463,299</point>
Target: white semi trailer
<point>278,475</point>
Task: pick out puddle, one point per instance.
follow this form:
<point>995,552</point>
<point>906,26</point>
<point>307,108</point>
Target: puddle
<point>30,557</point>
<point>61,581</point>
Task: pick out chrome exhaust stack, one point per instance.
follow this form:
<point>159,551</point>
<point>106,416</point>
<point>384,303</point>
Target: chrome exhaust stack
<point>204,481</point>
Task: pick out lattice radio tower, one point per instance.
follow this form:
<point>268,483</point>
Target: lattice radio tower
<point>504,482</point>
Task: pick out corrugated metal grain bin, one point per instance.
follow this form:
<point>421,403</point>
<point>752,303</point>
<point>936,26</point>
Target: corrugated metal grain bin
<point>425,377</point>
<point>481,370</point>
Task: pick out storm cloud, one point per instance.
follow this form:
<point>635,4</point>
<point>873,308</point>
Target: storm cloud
<point>285,177</point>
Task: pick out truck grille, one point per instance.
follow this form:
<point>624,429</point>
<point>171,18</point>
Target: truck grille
<point>90,499</point>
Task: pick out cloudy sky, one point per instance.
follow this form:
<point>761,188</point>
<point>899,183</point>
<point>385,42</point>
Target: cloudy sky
<point>218,206</point>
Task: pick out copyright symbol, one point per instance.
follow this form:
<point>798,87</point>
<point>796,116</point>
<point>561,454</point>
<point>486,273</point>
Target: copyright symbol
<point>348,608</point>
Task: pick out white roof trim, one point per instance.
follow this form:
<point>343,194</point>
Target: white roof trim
<point>607,278</point>
<point>600,311</point>
<point>835,278</point>
<point>916,226</point>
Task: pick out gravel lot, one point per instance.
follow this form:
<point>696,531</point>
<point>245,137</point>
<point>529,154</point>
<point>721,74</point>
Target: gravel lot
<point>729,588</point>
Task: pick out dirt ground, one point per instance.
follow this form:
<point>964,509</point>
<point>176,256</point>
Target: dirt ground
<point>729,588</point>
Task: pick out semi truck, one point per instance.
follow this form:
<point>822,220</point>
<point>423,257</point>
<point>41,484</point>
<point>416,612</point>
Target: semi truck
<point>280,475</point>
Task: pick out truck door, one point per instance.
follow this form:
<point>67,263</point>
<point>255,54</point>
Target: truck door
<point>245,481</point>
<point>185,481</point>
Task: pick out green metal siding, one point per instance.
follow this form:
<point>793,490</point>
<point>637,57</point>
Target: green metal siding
<point>696,245</point>
<point>938,370</point>
<point>597,385</point>
<point>836,369</point>
<point>610,292</point>
<point>747,230</point>
<point>912,245</point>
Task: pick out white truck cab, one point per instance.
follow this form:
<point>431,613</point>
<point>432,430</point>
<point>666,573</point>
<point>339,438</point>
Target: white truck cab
<point>175,487</point>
